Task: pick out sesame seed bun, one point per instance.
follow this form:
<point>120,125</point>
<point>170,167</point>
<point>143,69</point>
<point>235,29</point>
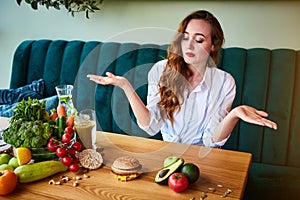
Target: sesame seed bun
<point>126,165</point>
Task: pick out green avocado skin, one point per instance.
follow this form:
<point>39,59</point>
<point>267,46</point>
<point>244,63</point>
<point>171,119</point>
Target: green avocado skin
<point>164,173</point>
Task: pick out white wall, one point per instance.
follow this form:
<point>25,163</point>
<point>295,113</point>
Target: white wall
<point>269,24</point>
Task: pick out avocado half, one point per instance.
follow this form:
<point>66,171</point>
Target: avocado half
<point>163,174</point>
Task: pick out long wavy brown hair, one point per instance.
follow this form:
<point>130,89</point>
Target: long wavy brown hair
<point>174,78</point>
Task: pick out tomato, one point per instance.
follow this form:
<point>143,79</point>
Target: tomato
<point>67,161</point>
<point>178,182</point>
<point>51,146</point>
<point>75,160</point>
<point>77,146</point>
<point>8,182</point>
<point>61,152</point>
<point>69,130</point>
<point>66,138</point>
<point>72,152</point>
<point>74,167</point>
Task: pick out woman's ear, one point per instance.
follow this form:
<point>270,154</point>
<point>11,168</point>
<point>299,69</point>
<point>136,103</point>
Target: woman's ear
<point>212,48</point>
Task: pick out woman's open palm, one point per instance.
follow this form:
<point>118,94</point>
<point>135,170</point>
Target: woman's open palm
<point>252,115</point>
<point>110,79</point>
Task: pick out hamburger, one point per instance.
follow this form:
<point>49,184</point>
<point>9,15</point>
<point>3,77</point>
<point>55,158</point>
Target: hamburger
<point>126,168</point>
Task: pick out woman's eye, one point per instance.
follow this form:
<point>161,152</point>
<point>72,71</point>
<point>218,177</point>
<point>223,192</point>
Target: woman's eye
<point>199,40</point>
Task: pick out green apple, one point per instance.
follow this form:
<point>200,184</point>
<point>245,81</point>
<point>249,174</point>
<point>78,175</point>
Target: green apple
<point>13,162</point>
<point>6,166</point>
<point>4,158</point>
<point>170,160</point>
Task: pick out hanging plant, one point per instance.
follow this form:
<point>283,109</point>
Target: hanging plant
<point>73,6</point>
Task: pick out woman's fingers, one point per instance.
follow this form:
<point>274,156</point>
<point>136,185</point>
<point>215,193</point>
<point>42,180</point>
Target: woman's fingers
<point>98,79</point>
<point>262,113</point>
<point>110,75</point>
<point>265,122</point>
<point>109,79</point>
<point>271,124</point>
<point>250,114</point>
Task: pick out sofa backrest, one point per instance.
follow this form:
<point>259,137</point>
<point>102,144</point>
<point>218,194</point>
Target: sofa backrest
<point>266,79</point>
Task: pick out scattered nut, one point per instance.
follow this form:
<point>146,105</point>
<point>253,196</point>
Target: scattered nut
<point>51,182</point>
<point>220,186</point>
<point>203,196</point>
<point>75,184</point>
<point>65,179</point>
<point>192,198</point>
<point>58,183</point>
<point>86,176</point>
<point>77,178</point>
<point>228,191</point>
<point>212,189</point>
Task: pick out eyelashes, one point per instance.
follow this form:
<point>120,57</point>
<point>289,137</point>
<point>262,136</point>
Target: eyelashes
<point>197,38</point>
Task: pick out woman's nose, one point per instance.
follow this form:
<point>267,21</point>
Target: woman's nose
<point>190,43</point>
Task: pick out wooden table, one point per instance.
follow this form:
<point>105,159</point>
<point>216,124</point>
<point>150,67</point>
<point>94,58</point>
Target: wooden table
<point>217,166</point>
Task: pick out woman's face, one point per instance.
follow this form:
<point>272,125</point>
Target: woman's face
<point>196,42</point>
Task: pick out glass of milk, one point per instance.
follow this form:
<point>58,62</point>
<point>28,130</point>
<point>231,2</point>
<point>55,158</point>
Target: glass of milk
<point>85,126</point>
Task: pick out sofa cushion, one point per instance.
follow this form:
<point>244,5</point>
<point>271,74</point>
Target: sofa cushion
<point>267,181</point>
<point>35,90</point>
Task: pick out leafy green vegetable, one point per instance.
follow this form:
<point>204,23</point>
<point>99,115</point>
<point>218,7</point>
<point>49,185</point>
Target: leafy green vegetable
<point>30,134</point>
<point>30,110</point>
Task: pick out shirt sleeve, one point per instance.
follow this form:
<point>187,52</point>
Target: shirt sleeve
<point>223,106</point>
<point>156,120</point>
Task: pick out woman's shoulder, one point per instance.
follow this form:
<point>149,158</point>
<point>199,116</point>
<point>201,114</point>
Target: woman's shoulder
<point>158,67</point>
<point>161,63</point>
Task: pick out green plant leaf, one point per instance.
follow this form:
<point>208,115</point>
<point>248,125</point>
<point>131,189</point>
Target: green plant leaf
<point>34,5</point>
<point>71,6</point>
<point>19,2</point>
<point>87,14</point>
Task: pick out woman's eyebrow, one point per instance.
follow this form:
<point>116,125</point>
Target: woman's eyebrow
<point>200,34</point>
<point>197,34</point>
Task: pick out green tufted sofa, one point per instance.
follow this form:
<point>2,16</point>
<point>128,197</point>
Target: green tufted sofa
<point>266,79</point>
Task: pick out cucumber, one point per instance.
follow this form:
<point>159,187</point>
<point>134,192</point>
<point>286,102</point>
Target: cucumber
<point>36,171</point>
<point>61,124</point>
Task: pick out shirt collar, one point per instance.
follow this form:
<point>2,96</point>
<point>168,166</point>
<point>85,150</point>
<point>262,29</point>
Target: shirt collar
<point>207,79</point>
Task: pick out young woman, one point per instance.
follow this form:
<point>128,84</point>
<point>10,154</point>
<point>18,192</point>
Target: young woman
<point>189,99</point>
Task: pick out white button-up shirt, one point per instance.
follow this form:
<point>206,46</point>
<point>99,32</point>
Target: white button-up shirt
<point>202,110</point>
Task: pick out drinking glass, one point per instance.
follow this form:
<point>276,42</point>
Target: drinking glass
<point>85,126</point>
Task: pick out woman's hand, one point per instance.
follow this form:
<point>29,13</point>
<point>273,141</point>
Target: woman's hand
<point>140,111</point>
<point>110,79</point>
<point>254,116</point>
